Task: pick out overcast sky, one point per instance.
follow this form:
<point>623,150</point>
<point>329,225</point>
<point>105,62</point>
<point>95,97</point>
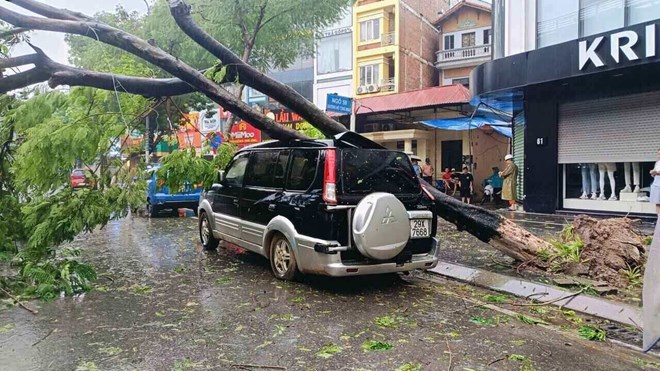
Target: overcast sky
<point>53,43</point>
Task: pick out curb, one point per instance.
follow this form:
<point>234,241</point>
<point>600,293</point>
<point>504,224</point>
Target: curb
<point>602,308</point>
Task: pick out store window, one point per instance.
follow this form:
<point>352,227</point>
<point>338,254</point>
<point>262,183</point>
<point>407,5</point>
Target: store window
<point>449,42</point>
<point>640,11</point>
<point>369,74</point>
<point>370,30</point>
<point>605,168</point>
<point>468,40</point>
<point>335,54</point>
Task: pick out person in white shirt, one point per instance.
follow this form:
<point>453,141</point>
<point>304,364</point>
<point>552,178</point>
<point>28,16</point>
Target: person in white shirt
<point>655,187</point>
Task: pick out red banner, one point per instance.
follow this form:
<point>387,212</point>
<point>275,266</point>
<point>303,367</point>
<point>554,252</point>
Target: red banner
<point>244,134</point>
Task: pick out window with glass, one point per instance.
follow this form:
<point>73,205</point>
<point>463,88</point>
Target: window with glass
<point>370,30</point>
<point>303,169</point>
<point>465,81</point>
<point>468,40</point>
<point>236,171</point>
<point>598,16</point>
<point>557,21</point>
<point>369,74</point>
<point>640,11</point>
<point>449,42</point>
<point>335,54</point>
<point>261,169</point>
<point>487,37</point>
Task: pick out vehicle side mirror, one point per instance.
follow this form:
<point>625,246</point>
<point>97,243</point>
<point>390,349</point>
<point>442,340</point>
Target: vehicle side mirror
<point>221,176</point>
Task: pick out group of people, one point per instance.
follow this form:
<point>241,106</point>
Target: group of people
<point>503,182</point>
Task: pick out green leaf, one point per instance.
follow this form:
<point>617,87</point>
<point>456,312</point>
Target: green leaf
<point>376,346</point>
<point>328,350</point>
<point>592,333</point>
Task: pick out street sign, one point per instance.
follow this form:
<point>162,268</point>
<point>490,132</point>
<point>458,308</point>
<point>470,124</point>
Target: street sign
<point>215,139</point>
<point>339,104</point>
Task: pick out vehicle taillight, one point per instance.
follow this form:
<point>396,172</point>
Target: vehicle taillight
<point>330,177</point>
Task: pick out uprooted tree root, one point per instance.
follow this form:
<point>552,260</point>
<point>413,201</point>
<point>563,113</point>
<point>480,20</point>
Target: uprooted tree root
<point>610,247</point>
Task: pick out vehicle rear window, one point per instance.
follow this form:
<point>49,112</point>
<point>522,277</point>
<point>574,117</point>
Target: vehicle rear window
<point>303,169</point>
<point>369,170</point>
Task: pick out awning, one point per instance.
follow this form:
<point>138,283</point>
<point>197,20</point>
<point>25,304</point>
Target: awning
<point>466,123</point>
<point>436,96</point>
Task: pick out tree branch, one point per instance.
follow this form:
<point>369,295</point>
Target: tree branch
<point>19,61</point>
<point>51,12</point>
<point>23,79</point>
<point>13,31</point>
<point>140,48</point>
<point>250,76</point>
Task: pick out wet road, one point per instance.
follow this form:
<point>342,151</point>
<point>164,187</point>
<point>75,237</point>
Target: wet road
<point>161,303</point>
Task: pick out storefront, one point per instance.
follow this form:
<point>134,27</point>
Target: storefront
<point>586,119</point>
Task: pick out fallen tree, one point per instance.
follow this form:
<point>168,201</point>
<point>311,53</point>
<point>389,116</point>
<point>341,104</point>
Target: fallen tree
<point>499,232</point>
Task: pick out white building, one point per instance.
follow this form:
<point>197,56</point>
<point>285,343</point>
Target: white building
<point>333,64</point>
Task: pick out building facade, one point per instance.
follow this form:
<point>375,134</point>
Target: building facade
<point>333,63</point>
<point>582,82</point>
<point>394,45</point>
<point>465,40</point>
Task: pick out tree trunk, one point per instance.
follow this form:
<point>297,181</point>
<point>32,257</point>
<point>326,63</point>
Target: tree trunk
<point>490,227</point>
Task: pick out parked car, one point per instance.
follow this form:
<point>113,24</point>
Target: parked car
<point>159,197</point>
<point>78,179</point>
<point>339,207</point>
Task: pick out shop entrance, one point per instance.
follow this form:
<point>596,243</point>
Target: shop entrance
<point>452,154</point>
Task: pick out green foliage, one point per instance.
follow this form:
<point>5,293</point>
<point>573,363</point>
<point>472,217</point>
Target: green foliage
<point>634,275</point>
<point>387,322</point>
<point>497,299</point>
<point>527,364</point>
<point>647,241</point>
<point>410,366</point>
<point>376,346</point>
<point>329,350</point>
<point>568,249</point>
<point>592,333</point>
<point>529,320</point>
<point>186,167</point>
<point>482,321</point>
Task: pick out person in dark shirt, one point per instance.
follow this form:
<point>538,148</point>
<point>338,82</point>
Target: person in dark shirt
<point>466,180</point>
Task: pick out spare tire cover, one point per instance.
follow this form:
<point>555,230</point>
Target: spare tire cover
<point>380,226</point>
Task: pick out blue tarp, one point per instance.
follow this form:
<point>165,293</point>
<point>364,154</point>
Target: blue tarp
<point>465,123</point>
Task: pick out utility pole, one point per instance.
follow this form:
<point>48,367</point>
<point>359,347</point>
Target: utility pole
<point>147,141</point>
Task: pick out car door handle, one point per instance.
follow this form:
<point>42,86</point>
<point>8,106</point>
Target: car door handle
<point>271,207</point>
<point>235,201</point>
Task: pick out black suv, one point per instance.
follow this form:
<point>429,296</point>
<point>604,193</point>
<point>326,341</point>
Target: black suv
<point>339,207</point>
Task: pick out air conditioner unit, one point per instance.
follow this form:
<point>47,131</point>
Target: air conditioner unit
<point>362,89</point>
<point>373,88</point>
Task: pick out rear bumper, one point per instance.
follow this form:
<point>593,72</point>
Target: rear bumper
<point>310,261</point>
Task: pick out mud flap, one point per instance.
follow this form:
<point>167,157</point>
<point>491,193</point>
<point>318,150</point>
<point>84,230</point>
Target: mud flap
<point>651,294</point>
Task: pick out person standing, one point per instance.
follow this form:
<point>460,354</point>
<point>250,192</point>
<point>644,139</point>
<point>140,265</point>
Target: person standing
<point>510,184</point>
<point>655,187</point>
<point>427,171</point>
<point>466,184</point>
<point>415,162</point>
<point>447,180</point>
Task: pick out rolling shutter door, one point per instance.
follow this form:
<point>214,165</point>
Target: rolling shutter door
<point>519,152</point>
<point>618,129</point>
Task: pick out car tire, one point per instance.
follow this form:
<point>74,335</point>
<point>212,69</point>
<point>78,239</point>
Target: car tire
<point>153,210</point>
<point>209,242</point>
<point>283,262</point>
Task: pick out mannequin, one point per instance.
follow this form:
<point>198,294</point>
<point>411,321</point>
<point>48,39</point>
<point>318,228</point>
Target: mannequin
<point>610,169</point>
<point>635,179</point>
<point>586,181</point>
<point>593,170</point>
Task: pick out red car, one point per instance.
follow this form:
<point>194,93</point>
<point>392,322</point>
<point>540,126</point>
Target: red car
<point>78,179</point>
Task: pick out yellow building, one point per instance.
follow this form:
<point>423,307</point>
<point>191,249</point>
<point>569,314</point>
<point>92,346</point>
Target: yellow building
<point>394,45</point>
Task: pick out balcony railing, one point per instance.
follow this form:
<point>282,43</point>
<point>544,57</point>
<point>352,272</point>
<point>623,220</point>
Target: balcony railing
<point>451,55</point>
<point>387,39</point>
<point>387,85</point>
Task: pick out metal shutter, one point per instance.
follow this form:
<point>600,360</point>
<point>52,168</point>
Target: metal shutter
<point>519,152</point>
<point>619,129</point>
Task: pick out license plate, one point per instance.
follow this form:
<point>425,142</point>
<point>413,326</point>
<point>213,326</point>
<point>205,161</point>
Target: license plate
<point>420,228</point>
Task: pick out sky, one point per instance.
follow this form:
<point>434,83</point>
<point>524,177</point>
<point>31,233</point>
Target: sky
<point>53,43</point>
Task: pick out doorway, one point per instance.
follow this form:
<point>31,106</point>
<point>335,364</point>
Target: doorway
<point>452,154</point>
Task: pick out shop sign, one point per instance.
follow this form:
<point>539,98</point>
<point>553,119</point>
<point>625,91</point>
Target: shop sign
<point>627,43</point>
<point>244,133</point>
<point>189,135</point>
<point>337,31</point>
<point>209,124</point>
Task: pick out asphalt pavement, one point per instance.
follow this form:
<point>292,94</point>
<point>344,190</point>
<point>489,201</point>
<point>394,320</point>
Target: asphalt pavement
<point>161,303</point>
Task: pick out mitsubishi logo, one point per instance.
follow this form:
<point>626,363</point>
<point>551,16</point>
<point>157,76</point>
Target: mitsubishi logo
<point>389,218</point>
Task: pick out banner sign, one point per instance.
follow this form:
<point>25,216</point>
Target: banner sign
<point>244,134</point>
